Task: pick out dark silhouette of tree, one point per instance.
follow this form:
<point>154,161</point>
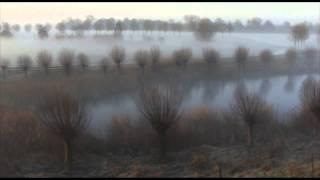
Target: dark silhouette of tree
<point>25,63</point>
<point>266,57</point>
<point>42,32</point>
<point>45,60</point>
<point>83,61</point>
<point>291,56</point>
<point>134,25</point>
<point>6,30</point>
<point>66,58</point>
<point>211,56</point>
<point>16,27</point>
<point>141,57</point>
<point>192,22</point>
<point>61,27</point>
<point>205,30</point>
<point>118,29</point>
<point>182,56</point>
<point>118,55</point>
<point>98,26</point>
<point>27,27</point>
<point>160,106</point>
<point>299,33</point>
<point>310,99</point>
<point>66,117</point>
<point>4,64</point>
<point>155,55</point>
<point>241,56</point>
<point>251,109</point>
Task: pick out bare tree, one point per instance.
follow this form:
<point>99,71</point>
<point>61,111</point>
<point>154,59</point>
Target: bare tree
<point>155,56</point>
<point>211,56</point>
<point>45,60</point>
<point>66,117</point>
<point>4,64</point>
<point>27,27</point>
<point>251,109</point>
<point>141,58</point>
<point>299,33</point>
<point>310,96</point>
<point>83,61</point>
<point>161,107</point>
<point>205,30</point>
<point>266,57</point>
<point>25,63</point>
<point>104,64</point>
<point>241,56</point>
<point>118,55</point>
<point>182,56</point>
<point>66,58</point>
<point>42,32</point>
<point>291,56</point>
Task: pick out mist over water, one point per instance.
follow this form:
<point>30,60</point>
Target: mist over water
<point>96,48</point>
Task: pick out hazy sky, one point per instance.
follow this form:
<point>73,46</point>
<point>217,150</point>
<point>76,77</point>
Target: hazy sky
<point>53,12</point>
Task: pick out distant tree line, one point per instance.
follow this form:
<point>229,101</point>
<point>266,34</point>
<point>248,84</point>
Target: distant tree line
<point>191,23</point>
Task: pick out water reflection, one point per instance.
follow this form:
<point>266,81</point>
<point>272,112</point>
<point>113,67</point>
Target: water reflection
<point>265,87</point>
<point>289,86</point>
<point>280,91</point>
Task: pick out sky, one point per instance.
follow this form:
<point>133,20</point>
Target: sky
<point>52,12</point>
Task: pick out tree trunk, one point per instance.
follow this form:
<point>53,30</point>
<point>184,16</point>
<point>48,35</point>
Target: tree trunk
<point>68,155</point>
<point>250,135</point>
<point>119,68</point>
<point>163,145</point>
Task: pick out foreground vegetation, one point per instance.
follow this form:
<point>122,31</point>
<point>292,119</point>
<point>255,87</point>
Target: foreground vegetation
<point>43,125</point>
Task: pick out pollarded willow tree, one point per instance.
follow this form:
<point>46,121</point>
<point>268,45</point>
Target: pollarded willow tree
<point>45,60</point>
<point>241,55</point>
<point>66,117</point>
<point>83,61</point>
<point>299,33</point>
<point>310,100</point>
<point>118,55</point>
<point>25,63</point>
<point>266,57</point>
<point>141,57</point>
<point>291,56</point>
<point>66,58</point>
<point>160,106</point>
<point>155,55</point>
<point>205,30</point>
<point>251,109</point>
<point>211,56</point>
<point>104,64</point>
<point>182,57</point>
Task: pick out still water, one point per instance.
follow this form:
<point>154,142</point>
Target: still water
<point>280,91</point>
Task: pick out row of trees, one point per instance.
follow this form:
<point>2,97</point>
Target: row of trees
<point>67,116</point>
<point>204,27</point>
<point>142,58</point>
<point>189,24</point>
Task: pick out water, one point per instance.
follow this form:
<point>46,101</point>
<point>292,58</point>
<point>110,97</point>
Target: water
<point>280,91</point>
<point>96,48</point>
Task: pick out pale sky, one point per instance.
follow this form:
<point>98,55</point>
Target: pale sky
<point>23,13</point>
